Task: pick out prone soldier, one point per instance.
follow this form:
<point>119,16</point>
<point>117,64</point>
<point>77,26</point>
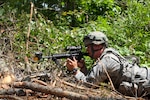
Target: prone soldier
<point>128,78</point>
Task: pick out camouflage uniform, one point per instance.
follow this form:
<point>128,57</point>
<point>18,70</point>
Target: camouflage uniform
<point>128,78</point>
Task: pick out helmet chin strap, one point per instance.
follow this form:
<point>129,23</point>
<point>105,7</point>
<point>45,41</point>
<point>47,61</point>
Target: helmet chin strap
<point>92,50</point>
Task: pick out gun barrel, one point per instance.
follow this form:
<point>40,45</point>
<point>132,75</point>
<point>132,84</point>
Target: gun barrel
<point>60,56</point>
<point>65,55</point>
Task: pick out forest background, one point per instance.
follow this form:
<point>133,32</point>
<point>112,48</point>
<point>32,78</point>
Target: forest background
<point>27,26</point>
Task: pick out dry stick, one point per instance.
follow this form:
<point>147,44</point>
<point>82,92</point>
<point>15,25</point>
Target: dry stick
<point>29,28</point>
<point>107,75</point>
<point>55,91</point>
<point>39,82</point>
<point>76,86</point>
<point>28,35</point>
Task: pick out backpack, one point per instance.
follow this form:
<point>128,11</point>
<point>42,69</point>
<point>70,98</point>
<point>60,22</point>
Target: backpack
<point>128,79</point>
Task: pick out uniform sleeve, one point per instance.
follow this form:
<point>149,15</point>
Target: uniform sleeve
<point>97,74</point>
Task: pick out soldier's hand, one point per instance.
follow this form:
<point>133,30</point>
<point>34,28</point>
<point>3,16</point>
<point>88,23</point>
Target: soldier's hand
<point>71,64</point>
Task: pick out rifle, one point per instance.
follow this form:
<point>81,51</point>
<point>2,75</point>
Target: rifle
<point>73,51</point>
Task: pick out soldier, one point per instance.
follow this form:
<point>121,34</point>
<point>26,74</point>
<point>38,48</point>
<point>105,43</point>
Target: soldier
<point>128,78</point>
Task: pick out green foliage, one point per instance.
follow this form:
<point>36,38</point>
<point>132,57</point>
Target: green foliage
<point>56,24</point>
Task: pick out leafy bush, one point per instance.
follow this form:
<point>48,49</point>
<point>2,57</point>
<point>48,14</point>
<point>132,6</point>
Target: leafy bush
<point>126,23</point>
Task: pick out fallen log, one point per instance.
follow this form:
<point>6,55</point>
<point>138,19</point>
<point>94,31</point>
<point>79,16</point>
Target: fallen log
<point>49,90</point>
<point>57,91</point>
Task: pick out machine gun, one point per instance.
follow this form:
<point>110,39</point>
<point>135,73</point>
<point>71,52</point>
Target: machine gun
<point>73,51</point>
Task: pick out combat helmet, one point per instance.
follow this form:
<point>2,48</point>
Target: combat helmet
<point>95,38</point>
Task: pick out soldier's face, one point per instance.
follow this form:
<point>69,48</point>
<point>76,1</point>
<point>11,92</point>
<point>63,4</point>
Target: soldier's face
<point>94,51</point>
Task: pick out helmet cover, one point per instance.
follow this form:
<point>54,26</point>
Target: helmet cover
<point>95,38</point>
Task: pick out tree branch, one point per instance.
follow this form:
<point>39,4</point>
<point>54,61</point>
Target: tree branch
<point>55,91</point>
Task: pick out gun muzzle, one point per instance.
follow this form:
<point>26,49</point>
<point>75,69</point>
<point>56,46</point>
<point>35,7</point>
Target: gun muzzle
<point>37,56</point>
